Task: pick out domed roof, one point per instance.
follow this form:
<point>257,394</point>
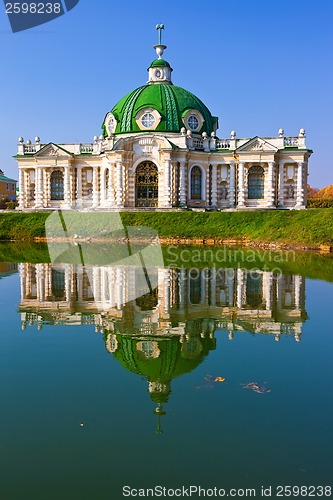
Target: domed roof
<point>170,101</point>
<point>173,360</point>
<point>159,62</point>
<point>159,106</point>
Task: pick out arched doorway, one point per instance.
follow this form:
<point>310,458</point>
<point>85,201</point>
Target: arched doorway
<point>146,185</point>
<point>256,182</point>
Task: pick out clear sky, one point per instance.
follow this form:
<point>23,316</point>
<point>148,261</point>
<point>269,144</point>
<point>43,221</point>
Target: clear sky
<point>258,65</point>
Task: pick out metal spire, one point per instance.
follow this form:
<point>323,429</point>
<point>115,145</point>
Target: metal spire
<point>159,28</point>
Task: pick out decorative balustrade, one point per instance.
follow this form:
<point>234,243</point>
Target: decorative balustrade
<point>198,144</point>
<point>222,144</point>
<point>86,148</point>
<point>29,148</point>
<point>291,141</point>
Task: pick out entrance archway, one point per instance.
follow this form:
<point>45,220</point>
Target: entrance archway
<point>146,185</point>
<point>256,182</point>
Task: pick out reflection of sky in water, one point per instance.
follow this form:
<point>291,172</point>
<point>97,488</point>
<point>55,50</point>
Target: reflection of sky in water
<point>162,345</point>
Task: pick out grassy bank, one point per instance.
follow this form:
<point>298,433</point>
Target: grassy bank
<point>305,228</point>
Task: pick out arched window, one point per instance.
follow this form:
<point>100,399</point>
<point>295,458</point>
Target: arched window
<point>107,177</point>
<point>58,284</point>
<point>254,297</point>
<point>195,286</point>
<point>256,180</point>
<point>57,185</point>
<point>196,182</point>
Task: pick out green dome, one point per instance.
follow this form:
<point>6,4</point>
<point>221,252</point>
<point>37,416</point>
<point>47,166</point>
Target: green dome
<point>170,101</point>
<point>172,362</point>
<point>159,62</point>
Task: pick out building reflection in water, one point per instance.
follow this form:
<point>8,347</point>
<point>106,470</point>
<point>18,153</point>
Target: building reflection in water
<point>7,268</point>
<point>168,331</point>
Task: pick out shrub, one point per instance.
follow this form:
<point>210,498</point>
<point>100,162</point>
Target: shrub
<point>320,203</point>
<point>11,205</point>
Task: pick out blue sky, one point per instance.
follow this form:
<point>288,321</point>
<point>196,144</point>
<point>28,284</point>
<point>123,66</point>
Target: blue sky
<point>258,65</point>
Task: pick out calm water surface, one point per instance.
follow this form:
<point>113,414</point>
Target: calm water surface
<point>100,390</point>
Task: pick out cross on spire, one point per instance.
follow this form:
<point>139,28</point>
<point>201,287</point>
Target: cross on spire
<point>159,28</point>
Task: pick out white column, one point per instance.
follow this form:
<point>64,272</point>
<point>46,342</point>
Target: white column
<point>96,192</point>
<point>212,283</point>
<point>267,289</point>
<point>96,285</point>
<point>182,184</point>
<point>68,288</point>
<point>271,190</point>
<point>119,284</point>
<point>131,284</point>
<point>214,185</point>
<point>281,185</point>
<point>167,291</point>
<point>111,199</point>
<point>131,188</point>
<point>241,186</point>
<point>206,187</point>
<point>279,291</point>
<point>48,284</point>
<point>78,187</point>
<point>21,189</point>
<point>67,192</point>
<point>300,188</point>
<point>40,279</point>
<point>182,289</point>
<point>39,187</point>
<point>112,284</point>
<point>230,286</point>
<point>27,197</point>
<point>103,187</point>
<point>80,284</point>
<point>47,188</point>
<point>22,280</point>
<point>232,182</point>
<point>298,286</point>
<point>120,197</point>
<point>167,203</point>
<point>240,282</point>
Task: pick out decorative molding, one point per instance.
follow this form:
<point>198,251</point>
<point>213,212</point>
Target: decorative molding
<point>257,144</point>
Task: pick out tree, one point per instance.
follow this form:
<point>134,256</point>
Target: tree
<point>326,192</point>
<point>312,192</point>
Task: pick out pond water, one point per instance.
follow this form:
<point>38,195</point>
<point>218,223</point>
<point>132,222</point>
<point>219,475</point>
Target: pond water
<point>207,374</point>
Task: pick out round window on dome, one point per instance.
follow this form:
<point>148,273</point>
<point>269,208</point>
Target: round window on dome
<point>148,120</point>
<point>193,122</point>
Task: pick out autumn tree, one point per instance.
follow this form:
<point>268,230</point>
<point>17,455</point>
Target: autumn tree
<point>312,192</point>
<point>326,192</point>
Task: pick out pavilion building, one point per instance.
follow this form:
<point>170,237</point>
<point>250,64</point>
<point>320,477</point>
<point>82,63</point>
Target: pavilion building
<point>159,149</point>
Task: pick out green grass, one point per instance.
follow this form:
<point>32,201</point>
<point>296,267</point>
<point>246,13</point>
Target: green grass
<point>302,228</point>
<point>22,226</point>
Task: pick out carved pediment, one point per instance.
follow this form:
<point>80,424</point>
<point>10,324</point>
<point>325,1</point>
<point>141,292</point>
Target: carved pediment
<point>257,144</point>
<point>53,150</point>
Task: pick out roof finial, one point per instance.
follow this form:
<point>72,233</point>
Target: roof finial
<point>159,47</point>
<point>159,28</point>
